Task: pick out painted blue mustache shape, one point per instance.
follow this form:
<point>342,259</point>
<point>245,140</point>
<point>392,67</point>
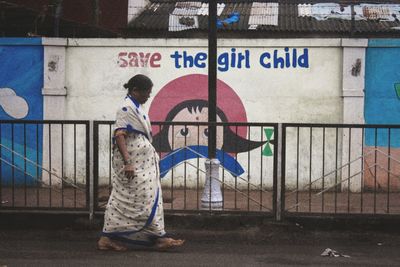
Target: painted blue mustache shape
<point>190,152</point>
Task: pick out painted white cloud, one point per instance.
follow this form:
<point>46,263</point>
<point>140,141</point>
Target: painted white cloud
<point>15,106</point>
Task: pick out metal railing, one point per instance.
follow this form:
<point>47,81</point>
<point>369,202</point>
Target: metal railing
<point>44,165</point>
<point>247,170</point>
<point>341,169</point>
<point>323,169</point>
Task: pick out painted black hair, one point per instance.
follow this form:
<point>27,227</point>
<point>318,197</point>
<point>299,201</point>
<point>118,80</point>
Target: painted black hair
<point>140,82</point>
<point>233,143</point>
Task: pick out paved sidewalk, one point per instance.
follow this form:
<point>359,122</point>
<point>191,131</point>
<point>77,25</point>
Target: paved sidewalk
<point>266,245</point>
<point>190,200</point>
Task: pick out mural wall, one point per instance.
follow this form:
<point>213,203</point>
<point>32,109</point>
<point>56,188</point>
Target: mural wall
<point>263,81</point>
<point>21,83</point>
<point>382,106</point>
<point>256,83</point>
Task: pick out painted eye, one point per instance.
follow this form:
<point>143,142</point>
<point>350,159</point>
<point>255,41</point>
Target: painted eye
<point>184,132</point>
<point>205,133</point>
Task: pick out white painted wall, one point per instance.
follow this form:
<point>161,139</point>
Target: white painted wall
<point>94,79</point>
<point>54,96</point>
<point>353,108</point>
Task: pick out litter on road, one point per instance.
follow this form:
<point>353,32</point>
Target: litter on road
<point>333,253</point>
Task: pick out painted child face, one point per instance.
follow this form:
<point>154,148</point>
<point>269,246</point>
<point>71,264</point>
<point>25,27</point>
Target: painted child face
<point>186,135</point>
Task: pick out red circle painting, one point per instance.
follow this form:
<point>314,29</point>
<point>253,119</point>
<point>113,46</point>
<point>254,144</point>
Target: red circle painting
<point>185,99</point>
<point>195,87</point>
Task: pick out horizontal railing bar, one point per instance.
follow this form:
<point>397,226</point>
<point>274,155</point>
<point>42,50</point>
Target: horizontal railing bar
<point>46,210</point>
<point>167,123</point>
<point>306,214</point>
<point>265,214</point>
<point>255,124</point>
<point>332,125</point>
<point>84,122</point>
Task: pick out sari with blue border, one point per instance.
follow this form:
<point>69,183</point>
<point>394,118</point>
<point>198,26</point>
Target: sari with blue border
<point>134,212</point>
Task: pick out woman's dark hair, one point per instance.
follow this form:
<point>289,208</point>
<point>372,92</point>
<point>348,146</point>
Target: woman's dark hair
<point>233,143</point>
<point>140,82</point>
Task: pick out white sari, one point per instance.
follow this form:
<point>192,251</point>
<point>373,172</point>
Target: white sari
<point>134,211</point>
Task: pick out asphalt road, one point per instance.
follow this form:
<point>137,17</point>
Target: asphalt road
<point>251,246</point>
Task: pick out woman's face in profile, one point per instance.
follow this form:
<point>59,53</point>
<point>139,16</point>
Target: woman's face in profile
<point>142,95</point>
<point>187,135</point>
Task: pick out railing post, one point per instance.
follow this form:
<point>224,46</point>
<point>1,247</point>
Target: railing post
<point>280,168</point>
<point>91,144</point>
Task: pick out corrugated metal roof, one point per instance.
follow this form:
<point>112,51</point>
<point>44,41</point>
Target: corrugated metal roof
<point>185,16</point>
<point>381,12</point>
<point>264,14</point>
<point>323,11</point>
<point>274,17</point>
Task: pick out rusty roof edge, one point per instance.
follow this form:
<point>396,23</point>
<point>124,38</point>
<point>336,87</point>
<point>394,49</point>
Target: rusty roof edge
<point>294,2</point>
<point>245,34</point>
<point>198,42</point>
<point>346,29</point>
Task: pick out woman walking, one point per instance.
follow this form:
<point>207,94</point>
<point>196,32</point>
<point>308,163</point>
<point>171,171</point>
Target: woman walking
<point>134,212</point>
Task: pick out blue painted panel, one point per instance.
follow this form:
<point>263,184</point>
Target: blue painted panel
<point>384,43</point>
<point>382,104</point>
<point>20,41</point>
<point>26,142</point>
<point>21,82</point>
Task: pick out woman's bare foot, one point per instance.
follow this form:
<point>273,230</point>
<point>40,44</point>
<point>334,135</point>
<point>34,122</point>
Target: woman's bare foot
<point>166,243</point>
<point>106,243</point>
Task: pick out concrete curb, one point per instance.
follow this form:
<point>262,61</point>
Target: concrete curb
<point>210,222</point>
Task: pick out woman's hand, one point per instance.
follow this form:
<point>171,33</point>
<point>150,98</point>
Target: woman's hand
<point>128,169</point>
<point>121,144</point>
